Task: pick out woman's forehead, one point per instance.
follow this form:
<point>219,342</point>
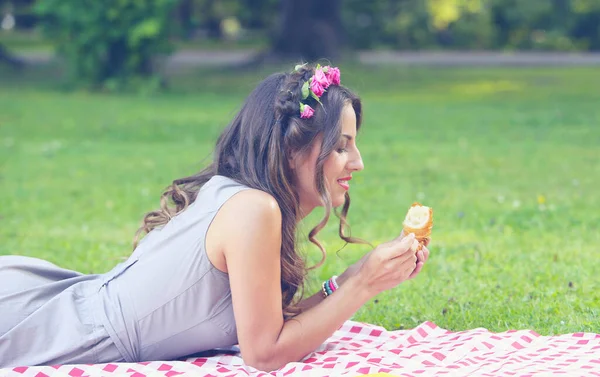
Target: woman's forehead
<point>348,121</point>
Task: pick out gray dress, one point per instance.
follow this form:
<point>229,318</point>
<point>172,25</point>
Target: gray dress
<point>165,302</point>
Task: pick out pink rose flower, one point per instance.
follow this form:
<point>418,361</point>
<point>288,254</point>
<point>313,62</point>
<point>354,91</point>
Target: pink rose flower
<point>306,111</point>
<point>333,74</point>
<point>321,78</point>
<point>316,87</point>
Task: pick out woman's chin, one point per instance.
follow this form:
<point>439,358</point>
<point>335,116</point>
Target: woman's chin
<point>338,201</point>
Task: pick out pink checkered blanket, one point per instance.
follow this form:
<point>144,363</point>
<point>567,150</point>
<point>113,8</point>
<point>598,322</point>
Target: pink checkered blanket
<point>358,349</point>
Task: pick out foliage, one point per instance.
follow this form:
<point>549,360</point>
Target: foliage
<point>542,25</point>
<point>475,24</point>
<point>109,44</point>
<point>117,44</point>
<point>210,17</point>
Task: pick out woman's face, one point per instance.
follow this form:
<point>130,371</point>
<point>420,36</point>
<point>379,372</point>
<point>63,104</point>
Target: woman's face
<point>337,169</point>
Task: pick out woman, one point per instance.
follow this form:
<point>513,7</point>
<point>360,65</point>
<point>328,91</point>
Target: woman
<point>219,266</point>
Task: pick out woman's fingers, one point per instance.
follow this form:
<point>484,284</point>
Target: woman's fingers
<point>416,245</point>
<point>398,248</point>
<point>420,256</point>
<point>416,270</point>
<point>425,251</point>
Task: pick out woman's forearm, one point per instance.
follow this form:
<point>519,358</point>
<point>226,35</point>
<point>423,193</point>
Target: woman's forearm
<point>316,298</point>
<point>307,331</point>
<point>311,301</point>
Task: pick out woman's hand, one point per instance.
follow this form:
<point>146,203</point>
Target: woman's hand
<point>422,257</point>
<point>388,265</point>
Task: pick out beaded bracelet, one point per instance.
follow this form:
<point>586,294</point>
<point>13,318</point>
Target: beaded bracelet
<point>329,286</point>
<point>334,281</point>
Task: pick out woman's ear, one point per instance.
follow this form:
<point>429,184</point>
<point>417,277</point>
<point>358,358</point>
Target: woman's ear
<point>296,158</point>
<point>292,157</point>
<point>292,161</point>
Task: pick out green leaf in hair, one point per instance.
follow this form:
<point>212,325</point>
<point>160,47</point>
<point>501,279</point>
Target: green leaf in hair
<point>298,66</point>
<point>305,90</point>
<point>313,95</point>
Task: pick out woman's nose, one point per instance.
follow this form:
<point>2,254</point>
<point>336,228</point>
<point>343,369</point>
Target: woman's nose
<point>356,164</point>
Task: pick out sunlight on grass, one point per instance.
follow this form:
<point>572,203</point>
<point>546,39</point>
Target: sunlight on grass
<point>508,159</point>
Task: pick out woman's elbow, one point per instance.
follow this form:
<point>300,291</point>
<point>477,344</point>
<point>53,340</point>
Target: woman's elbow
<point>265,360</point>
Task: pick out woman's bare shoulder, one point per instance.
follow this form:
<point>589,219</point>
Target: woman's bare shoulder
<point>247,213</point>
<point>248,223</point>
<point>253,205</point>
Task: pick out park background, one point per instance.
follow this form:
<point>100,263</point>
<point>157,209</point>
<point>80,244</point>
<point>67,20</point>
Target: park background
<point>486,110</point>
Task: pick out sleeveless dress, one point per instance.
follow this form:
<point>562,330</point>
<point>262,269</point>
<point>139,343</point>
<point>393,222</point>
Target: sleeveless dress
<point>166,301</point>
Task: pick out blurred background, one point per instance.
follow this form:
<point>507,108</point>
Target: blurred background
<point>107,43</point>
<point>486,110</point>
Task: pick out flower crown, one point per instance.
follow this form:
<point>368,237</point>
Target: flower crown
<point>316,86</point>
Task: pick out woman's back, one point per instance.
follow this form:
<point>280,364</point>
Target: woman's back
<point>174,301</point>
<point>166,301</point>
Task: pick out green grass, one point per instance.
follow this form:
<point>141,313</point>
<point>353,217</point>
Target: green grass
<point>508,158</point>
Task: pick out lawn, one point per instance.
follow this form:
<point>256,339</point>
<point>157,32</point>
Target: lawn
<point>508,158</point>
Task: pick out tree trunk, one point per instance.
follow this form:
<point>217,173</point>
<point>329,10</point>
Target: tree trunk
<point>309,30</point>
<point>213,23</point>
<point>185,13</point>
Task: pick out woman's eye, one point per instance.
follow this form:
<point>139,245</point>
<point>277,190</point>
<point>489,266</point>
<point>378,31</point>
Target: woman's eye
<point>342,150</point>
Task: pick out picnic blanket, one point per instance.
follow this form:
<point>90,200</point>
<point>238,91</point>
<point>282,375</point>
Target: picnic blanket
<point>357,349</point>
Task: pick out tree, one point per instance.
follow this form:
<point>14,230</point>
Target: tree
<point>309,30</point>
<point>110,44</point>
<point>185,12</point>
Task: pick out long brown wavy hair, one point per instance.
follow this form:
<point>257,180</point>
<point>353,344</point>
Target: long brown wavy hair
<point>254,150</point>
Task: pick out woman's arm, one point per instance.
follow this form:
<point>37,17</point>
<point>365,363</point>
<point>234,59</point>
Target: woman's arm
<point>316,298</point>
<point>252,253</point>
<point>309,302</point>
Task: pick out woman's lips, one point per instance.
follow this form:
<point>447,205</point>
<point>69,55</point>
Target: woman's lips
<point>344,182</point>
